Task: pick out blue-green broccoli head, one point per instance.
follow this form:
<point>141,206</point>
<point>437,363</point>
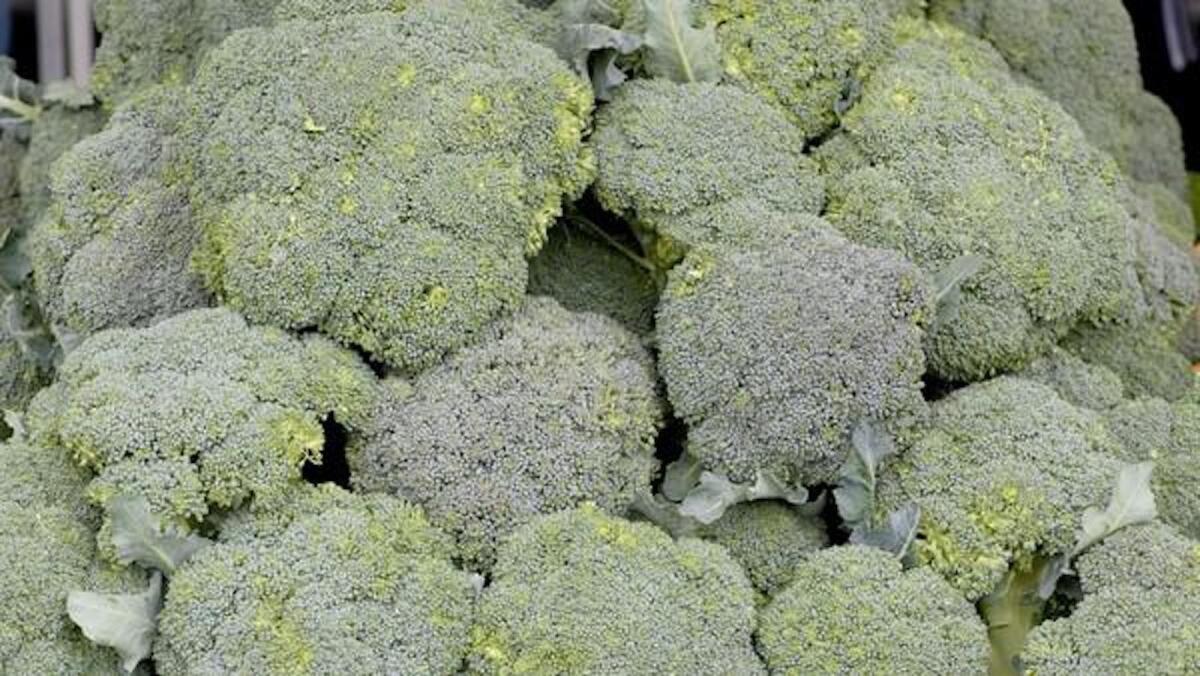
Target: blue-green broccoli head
<point>769,539</point>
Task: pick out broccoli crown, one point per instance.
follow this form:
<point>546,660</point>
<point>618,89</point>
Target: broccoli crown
<point>1148,556</point>
<point>1001,473</point>
<point>363,586</point>
<point>323,10</point>
<point>584,273</point>
<point>57,128</point>
<point>112,249</point>
<point>768,538</point>
<point>947,155</point>
<point>552,409</point>
<point>1076,381</point>
<point>810,57</point>
<point>149,42</point>
<point>668,152</point>
<point>772,354</point>
<point>1144,357</point>
<point>390,188</point>
<point>1084,56</point>
<point>855,610</point>
<point>581,592</point>
<point>1168,211</point>
<point>200,410</point>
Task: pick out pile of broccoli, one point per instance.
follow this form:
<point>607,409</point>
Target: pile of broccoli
<point>599,337</point>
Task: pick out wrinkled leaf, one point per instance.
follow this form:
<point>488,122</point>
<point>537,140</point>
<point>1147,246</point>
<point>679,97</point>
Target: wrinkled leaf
<point>715,493</point>
<point>606,76</point>
<point>680,477</point>
<point>123,622</point>
<point>896,536</point>
<point>666,515</point>
<point>855,494</point>
<point>948,285</point>
<point>1051,574</point>
<point>139,537</point>
<point>1132,503</point>
<point>675,48</point>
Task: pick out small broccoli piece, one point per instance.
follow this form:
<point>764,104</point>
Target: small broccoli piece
<point>64,121</point>
<point>1085,57</point>
<point>199,411</point>
<point>33,475</point>
<point>1001,474</point>
<point>151,42</point>
<point>1148,556</point>
<point>773,354</point>
<point>581,592</point>
<point>391,192</point>
<point>550,410</point>
<point>668,153</point>
<point>1077,382</point>
<point>947,155</point>
<point>1172,215</point>
<point>855,610</point>
<point>585,272</point>
<point>768,538</point>
<point>364,586</point>
<point>113,248</point>
<point>1145,358</point>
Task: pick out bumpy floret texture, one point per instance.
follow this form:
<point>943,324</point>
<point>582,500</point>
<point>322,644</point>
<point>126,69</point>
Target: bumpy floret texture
<point>113,247</point>
<point>1148,556</point>
<point>58,127</point>
<point>854,609</point>
<point>1002,471</point>
<point>1145,358</point>
<point>947,155</point>
<point>364,586</point>
<point>769,539</point>
<point>772,354</point>
<point>668,152</point>
<point>584,593</point>
<point>1077,381</point>
<point>389,189</point>
<point>1084,56</point>
<point>552,409</point>
<point>149,42</point>
<point>810,58</point>
<point>199,411</point>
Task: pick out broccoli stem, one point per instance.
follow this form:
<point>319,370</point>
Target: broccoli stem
<point>584,222</point>
<point>1011,612</point>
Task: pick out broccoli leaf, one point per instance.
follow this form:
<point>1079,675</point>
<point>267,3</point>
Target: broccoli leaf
<point>579,42</point>
<point>896,536</point>
<point>948,285</point>
<point>680,477</point>
<point>676,49</point>
<point>855,494</point>
<point>1132,503</point>
<point>664,514</point>
<point>715,493</point>
<point>140,538</point>
<point>123,622</point>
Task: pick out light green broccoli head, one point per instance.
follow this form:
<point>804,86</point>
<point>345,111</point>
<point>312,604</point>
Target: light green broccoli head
<point>199,411</point>
<point>510,15</point>
<point>769,539</point>
<point>947,155</point>
<point>59,126</point>
<point>1077,382</point>
<point>810,58</point>
<point>855,610</point>
<point>364,585</point>
<point>549,410</point>
<point>1168,211</point>
<point>1144,357</point>
<point>389,192</point>
<point>150,42</point>
<point>581,592</point>
<point>1002,473</point>
<point>1148,556</point>
<point>33,475</point>
<point>112,249</point>
<point>669,152</point>
<point>767,374</point>
<point>585,273</point>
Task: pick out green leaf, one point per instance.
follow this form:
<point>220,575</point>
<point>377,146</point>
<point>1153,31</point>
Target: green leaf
<point>681,477</point>
<point>855,495</point>
<point>123,622</point>
<point>579,42</point>
<point>139,537</point>
<point>1132,503</point>
<point>715,493</point>
<point>896,536</point>
<point>675,48</point>
<point>664,514</point>
<point>948,285</point>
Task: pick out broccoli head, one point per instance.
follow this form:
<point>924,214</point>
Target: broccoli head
<point>947,155</point>
<point>64,121</point>
<point>668,153</point>
<point>1076,381</point>
<point>810,57</point>
<point>364,585</point>
<point>1001,473</point>
<point>581,592</point>
<point>112,249</point>
<point>1144,357</point>
<point>389,192</point>
<point>769,538</point>
<point>772,354</point>
<point>1147,556</point>
<point>199,411</point>
<point>855,610</point>
<point>550,410</point>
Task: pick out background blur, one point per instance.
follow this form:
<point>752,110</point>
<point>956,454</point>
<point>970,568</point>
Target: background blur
<point>54,40</point>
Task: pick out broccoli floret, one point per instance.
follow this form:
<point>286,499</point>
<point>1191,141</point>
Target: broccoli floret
<point>1085,56</point>
<point>586,272</point>
<point>1188,342</point>
<point>199,411</point>
<point>668,153</point>
<point>33,475</point>
<point>112,250</point>
<point>1144,357</point>
<point>511,16</point>
<point>64,121</point>
<point>1001,474</point>
<point>550,410</point>
<point>1079,383</point>
<point>773,354</point>
<point>1172,215</point>
<point>581,592</point>
<point>855,610</point>
<point>947,155</point>
<point>150,42</point>
<point>768,538</point>
<point>363,586</point>
<point>1148,556</point>
<point>389,194</point>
